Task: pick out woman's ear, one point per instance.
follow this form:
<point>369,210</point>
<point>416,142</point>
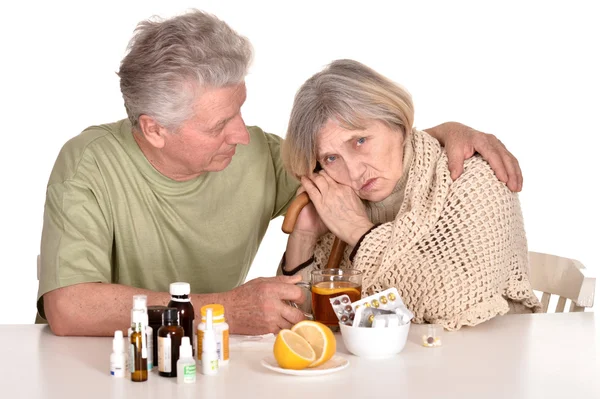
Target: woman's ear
<point>152,131</point>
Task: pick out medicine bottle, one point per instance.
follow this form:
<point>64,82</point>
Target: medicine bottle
<point>140,304</point>
<point>210,357</point>
<point>186,365</point>
<point>117,357</point>
<point>138,352</point>
<point>221,332</point>
<point>169,340</point>
<point>155,317</point>
<point>180,299</point>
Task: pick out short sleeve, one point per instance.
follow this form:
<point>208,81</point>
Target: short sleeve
<point>286,183</point>
<point>76,239</point>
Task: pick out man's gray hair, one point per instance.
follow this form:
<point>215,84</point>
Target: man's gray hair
<point>170,60</point>
<point>349,93</point>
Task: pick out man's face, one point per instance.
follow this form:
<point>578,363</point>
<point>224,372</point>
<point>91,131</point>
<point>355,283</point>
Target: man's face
<point>207,141</point>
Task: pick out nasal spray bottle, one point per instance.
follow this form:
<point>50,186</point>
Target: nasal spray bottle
<point>117,357</point>
<point>140,304</point>
<point>210,357</point>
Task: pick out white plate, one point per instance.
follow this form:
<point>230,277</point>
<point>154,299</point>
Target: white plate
<point>336,363</point>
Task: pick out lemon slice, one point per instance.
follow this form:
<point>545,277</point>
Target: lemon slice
<point>328,288</point>
<point>292,351</point>
<point>320,338</point>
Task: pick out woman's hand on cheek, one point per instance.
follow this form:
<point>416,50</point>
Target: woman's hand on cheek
<point>339,207</point>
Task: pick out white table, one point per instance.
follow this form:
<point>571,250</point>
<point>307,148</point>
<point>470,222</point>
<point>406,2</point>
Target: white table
<point>516,356</point>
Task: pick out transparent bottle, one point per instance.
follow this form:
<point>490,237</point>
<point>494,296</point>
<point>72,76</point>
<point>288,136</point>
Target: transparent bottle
<point>221,332</point>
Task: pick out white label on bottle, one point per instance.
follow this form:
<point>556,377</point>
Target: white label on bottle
<point>189,373</point>
<point>164,354</point>
<point>150,344</point>
<point>116,368</point>
<point>214,364</point>
<point>131,358</point>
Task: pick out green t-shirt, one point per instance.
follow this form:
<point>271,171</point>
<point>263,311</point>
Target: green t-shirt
<point>111,217</point>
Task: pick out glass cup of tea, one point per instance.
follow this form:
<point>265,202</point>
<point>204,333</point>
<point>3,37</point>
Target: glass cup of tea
<point>329,283</point>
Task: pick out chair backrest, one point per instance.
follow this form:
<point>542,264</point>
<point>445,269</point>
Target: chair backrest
<point>567,278</point>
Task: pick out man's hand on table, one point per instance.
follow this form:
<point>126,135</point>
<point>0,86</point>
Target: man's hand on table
<point>258,307</point>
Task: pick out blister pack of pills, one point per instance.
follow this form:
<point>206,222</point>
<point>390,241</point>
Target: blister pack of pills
<point>343,309</point>
<point>388,300</point>
<point>373,317</point>
<point>386,310</point>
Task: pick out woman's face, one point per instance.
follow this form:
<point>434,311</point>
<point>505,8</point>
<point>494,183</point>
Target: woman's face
<point>369,161</point>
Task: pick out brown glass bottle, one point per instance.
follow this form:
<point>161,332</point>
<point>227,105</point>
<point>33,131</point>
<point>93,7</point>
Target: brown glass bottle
<point>180,299</point>
<point>155,317</point>
<point>138,359</point>
<point>169,340</point>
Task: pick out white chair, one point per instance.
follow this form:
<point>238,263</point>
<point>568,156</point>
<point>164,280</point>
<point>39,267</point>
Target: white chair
<point>567,278</point>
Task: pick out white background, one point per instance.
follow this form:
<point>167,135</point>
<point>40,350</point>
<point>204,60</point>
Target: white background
<point>525,71</point>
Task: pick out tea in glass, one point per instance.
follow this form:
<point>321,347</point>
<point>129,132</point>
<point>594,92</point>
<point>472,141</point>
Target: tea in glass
<point>322,291</point>
<point>328,283</point>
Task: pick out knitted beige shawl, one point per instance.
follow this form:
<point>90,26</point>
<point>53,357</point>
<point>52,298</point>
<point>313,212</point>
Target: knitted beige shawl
<point>456,251</point>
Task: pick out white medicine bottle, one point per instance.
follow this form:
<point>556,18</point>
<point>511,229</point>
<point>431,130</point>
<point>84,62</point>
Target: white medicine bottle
<point>210,358</point>
<point>117,357</point>
<point>221,329</point>
<point>186,365</point>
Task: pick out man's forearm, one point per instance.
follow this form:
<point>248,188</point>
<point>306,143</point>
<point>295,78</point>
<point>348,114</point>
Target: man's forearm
<point>98,309</point>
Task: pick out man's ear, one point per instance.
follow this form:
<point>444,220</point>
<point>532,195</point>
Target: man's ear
<point>152,131</point>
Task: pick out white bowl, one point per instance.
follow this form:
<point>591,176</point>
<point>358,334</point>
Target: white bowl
<point>374,342</point>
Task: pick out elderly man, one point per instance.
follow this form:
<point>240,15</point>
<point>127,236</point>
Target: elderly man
<point>169,194</point>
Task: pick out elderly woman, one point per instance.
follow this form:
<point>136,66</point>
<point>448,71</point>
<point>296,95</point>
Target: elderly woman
<point>455,250</point>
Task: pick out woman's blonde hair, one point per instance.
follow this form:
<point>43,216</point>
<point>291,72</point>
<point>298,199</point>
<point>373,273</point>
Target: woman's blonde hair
<point>350,93</point>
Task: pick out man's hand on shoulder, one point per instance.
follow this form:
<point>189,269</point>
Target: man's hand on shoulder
<point>462,142</point>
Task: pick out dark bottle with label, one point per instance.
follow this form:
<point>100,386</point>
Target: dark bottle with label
<point>155,318</point>
<point>169,340</point>
<point>180,299</point>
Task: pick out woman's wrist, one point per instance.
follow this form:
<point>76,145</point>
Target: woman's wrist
<point>300,248</point>
<point>358,232</point>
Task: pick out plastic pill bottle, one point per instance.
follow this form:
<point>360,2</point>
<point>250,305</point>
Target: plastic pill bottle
<point>221,329</point>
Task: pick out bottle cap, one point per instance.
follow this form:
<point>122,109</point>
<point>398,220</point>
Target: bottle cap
<point>217,310</point>
<point>185,349</point>
<point>155,314</point>
<point>171,315</point>
<point>140,302</point>
<point>118,345</point>
<point>179,288</point>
